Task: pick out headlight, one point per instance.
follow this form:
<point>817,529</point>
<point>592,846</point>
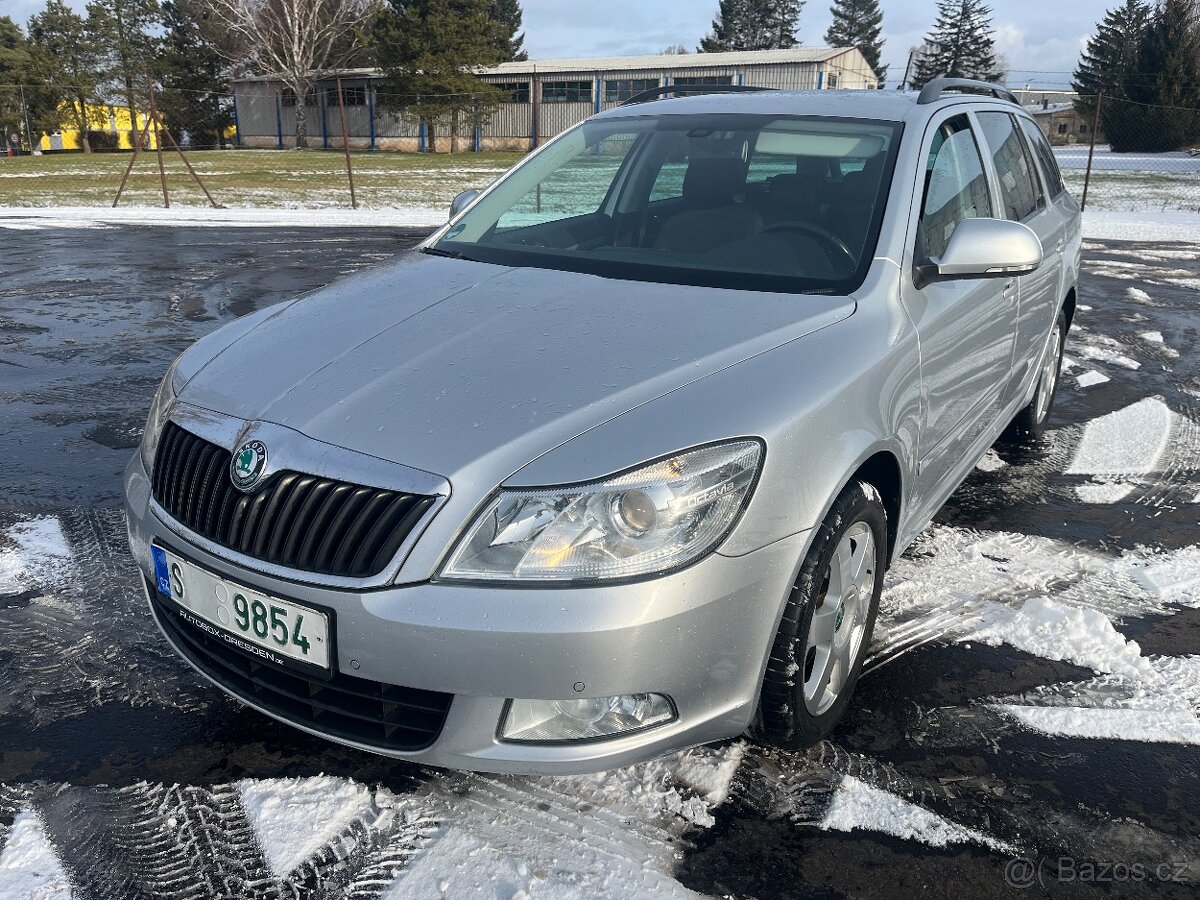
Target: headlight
<point>164,399</point>
<point>654,518</point>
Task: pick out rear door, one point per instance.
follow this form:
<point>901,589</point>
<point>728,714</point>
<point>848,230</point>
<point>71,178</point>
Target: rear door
<point>966,327</point>
<point>1024,199</point>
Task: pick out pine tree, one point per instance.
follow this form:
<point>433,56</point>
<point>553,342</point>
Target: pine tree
<point>66,66</point>
<point>960,45</point>
<point>512,39</point>
<point>1111,55</point>
<point>428,50</point>
<point>859,23</point>
<point>15,60</point>
<point>754,25</point>
<point>121,32</point>
<point>194,74</point>
<point>1156,105</point>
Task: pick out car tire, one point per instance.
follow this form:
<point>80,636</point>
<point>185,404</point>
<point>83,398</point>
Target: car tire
<point>794,709</point>
<point>1029,425</point>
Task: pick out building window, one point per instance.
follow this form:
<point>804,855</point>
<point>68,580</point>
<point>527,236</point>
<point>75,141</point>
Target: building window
<point>514,91</point>
<point>567,92</point>
<point>1063,127</point>
<point>832,83</point>
<point>702,80</point>
<point>621,89</point>
<point>288,96</point>
<point>1083,129</point>
<point>353,95</point>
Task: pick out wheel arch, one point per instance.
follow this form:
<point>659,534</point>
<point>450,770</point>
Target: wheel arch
<point>1069,304</point>
<point>882,471</point>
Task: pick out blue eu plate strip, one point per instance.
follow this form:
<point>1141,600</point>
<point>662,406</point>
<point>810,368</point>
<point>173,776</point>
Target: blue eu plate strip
<point>161,573</point>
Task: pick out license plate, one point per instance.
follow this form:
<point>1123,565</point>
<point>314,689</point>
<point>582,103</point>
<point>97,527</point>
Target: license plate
<point>250,618</point>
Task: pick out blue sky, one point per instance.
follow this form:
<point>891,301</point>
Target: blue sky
<point>1041,39</point>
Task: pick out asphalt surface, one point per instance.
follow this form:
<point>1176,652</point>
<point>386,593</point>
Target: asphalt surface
<point>114,742</point>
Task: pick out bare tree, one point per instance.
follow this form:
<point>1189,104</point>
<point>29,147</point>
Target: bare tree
<point>295,39</point>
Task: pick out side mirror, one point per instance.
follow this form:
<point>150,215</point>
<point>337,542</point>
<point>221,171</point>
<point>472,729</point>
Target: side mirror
<point>462,201</point>
<point>984,248</point>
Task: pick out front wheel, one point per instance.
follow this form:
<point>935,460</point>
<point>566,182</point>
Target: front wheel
<point>822,640</point>
<point>1030,423</point>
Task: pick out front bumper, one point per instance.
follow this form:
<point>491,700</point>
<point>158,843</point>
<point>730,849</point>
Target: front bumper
<point>701,636</point>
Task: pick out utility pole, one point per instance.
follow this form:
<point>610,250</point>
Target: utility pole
<point>1087,179</point>
<point>25,116</point>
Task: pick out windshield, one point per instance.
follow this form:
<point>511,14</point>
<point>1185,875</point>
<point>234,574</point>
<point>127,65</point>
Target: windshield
<point>753,202</point>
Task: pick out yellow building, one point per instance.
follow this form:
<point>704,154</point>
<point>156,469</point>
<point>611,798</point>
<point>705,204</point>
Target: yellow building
<point>109,119</point>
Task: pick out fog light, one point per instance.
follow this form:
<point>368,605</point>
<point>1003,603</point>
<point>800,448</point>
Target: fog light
<point>581,720</point>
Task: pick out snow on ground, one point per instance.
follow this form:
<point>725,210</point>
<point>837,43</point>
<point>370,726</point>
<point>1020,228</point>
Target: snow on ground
<point>29,866</point>
<point>37,550</point>
<point>1155,726</point>
<point>858,805</point>
<point>26,218</point>
<point>1090,378</point>
<point>1120,447</point>
<point>293,818</point>
<point>1150,225</point>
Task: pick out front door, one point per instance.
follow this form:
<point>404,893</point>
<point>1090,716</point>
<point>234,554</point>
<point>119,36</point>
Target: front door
<point>966,327</point>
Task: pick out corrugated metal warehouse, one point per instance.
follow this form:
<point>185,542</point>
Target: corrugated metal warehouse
<point>545,97</point>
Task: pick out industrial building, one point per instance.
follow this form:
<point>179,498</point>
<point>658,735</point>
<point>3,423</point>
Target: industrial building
<point>543,97</point>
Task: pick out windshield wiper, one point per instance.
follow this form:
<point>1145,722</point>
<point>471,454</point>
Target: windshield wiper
<point>438,251</point>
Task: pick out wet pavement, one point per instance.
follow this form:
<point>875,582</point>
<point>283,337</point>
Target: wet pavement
<point>144,778</point>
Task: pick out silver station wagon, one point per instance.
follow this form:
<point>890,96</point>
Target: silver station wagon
<point>615,461</point>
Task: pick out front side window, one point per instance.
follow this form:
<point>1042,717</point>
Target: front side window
<point>956,187</point>
<point>1045,155</point>
<point>567,92</point>
<point>1019,186</point>
<point>694,199</point>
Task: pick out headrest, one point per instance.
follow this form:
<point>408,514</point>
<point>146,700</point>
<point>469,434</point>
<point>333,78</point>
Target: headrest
<point>713,181</point>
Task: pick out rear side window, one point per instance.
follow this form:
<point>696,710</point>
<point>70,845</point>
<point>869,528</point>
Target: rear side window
<point>1019,186</point>
<point>1041,148</point>
<point>955,186</point>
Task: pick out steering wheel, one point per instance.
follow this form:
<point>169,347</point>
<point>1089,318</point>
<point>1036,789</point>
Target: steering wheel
<point>822,235</point>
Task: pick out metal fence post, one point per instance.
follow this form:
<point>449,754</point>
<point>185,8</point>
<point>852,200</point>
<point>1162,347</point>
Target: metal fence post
<point>237,126</point>
<point>278,121</point>
<point>324,123</point>
<point>346,140</point>
<point>371,112</point>
<point>1087,179</point>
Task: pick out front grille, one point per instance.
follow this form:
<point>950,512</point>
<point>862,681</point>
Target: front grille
<point>383,716</point>
<point>296,520</point>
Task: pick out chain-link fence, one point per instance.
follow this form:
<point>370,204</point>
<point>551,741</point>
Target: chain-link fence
<point>1126,156</point>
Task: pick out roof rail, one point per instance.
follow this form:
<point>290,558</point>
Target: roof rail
<point>933,91</point>
<point>657,92</point>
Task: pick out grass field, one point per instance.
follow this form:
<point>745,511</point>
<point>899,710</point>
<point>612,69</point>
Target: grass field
<point>250,178</point>
<point>290,179</point>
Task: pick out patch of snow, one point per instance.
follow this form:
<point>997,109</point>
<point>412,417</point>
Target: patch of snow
<point>1138,295</point>
<point>1129,441</point>
<point>1109,356</point>
<point>1054,630</point>
<point>38,551</point>
<point>1177,573</point>
<point>710,770</point>
<point>29,865</point>
<point>1159,225</point>
<point>293,818</point>
<point>1090,378</point>
<point>1153,726</point>
<point>199,216</point>
<point>991,462</point>
<point>858,805</point>
<point>1154,337</point>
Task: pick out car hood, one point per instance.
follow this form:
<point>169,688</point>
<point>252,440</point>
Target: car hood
<point>443,364</point>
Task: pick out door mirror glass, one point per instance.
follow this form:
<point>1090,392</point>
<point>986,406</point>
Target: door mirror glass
<point>462,201</point>
<point>985,248</point>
